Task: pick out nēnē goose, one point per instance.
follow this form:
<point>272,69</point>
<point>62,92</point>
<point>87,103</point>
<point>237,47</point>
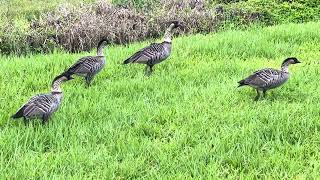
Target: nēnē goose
<point>269,78</point>
<point>89,66</point>
<point>155,52</point>
<point>43,105</point>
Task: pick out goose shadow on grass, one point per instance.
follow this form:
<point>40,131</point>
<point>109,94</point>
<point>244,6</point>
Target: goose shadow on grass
<point>276,95</point>
<point>286,96</point>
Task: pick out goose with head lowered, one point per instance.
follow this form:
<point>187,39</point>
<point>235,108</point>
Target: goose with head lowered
<point>43,105</point>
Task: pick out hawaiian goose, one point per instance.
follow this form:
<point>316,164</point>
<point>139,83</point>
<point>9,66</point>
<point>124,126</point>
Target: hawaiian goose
<point>89,66</point>
<point>269,78</point>
<point>43,105</point>
<point>155,52</point>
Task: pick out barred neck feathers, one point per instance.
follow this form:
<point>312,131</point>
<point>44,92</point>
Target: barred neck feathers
<point>285,67</point>
<point>100,47</point>
<point>168,34</point>
<point>55,87</point>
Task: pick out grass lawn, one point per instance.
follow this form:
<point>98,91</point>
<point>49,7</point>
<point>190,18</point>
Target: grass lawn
<point>187,120</point>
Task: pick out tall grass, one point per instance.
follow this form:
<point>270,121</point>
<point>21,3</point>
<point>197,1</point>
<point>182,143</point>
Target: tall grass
<point>187,120</point>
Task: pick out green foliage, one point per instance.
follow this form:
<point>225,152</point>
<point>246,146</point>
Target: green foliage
<point>14,37</point>
<point>31,9</point>
<point>282,11</point>
<point>228,1</point>
<point>137,4</point>
<point>188,120</point>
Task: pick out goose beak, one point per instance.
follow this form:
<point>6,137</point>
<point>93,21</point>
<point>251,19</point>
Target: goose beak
<point>297,62</point>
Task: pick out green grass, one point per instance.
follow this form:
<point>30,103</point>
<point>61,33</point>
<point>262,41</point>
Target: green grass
<point>29,9</point>
<point>187,120</point>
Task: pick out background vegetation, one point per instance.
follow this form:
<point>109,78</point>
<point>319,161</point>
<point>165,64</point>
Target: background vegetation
<point>39,26</point>
<point>187,120</point>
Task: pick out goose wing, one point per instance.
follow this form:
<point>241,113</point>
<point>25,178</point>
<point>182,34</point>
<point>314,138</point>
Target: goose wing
<point>38,105</point>
<point>152,52</point>
<point>85,65</point>
<point>263,78</point>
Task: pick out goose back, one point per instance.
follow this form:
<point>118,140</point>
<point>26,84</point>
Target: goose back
<point>267,79</point>
<point>39,106</point>
<point>87,65</point>
<point>152,54</point>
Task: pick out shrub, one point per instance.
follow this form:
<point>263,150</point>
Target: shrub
<point>136,4</point>
<point>79,27</point>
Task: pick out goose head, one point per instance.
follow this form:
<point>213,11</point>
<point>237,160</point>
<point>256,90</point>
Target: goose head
<point>55,87</point>
<point>290,60</point>
<point>175,24</point>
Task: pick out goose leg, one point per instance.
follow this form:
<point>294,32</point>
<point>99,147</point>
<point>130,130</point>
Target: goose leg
<point>88,79</point>
<point>148,70</point>
<point>264,93</point>
<point>258,95</point>
<point>151,70</point>
<point>45,119</point>
<point>25,120</point>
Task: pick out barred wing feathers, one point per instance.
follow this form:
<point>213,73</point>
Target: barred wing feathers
<point>154,52</point>
<point>86,65</point>
<point>38,105</point>
<point>264,78</point>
